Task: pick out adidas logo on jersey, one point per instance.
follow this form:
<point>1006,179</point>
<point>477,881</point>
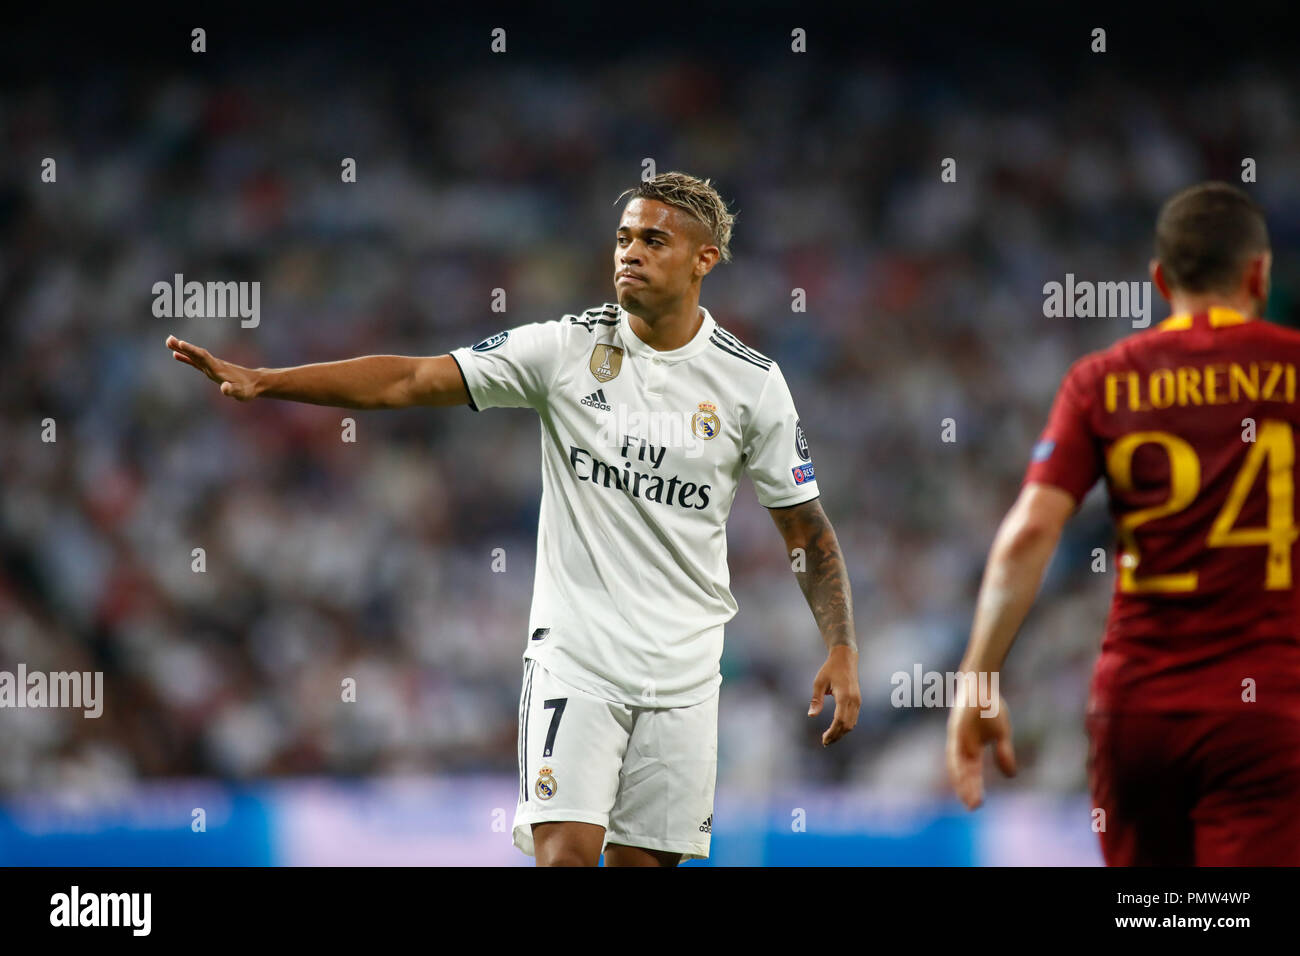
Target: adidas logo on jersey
<point>597,400</point>
<point>707,825</point>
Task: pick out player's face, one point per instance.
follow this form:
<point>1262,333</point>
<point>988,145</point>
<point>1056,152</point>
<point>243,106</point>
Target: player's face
<point>657,254</point>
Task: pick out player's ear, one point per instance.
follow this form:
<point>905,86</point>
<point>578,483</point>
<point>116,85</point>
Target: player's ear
<point>1158,277</point>
<point>706,258</point>
<point>1258,269</point>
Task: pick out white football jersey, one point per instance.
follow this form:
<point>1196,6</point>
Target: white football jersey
<point>642,451</point>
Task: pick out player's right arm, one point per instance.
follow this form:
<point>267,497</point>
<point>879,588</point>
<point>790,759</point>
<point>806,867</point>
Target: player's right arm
<point>370,381</point>
<point>1025,543</point>
<point>1065,465</point>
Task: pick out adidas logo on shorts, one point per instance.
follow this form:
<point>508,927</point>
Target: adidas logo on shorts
<point>597,400</point>
<point>707,825</point>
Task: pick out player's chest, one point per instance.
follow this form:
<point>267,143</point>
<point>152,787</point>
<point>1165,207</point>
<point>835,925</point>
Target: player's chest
<point>648,409</point>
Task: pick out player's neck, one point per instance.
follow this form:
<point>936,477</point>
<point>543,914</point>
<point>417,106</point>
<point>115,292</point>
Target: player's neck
<point>1184,304</point>
<point>668,331</point>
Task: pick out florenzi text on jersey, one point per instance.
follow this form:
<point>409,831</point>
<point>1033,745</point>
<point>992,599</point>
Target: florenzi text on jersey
<point>1214,384</point>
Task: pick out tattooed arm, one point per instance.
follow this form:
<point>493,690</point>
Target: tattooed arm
<point>819,568</point>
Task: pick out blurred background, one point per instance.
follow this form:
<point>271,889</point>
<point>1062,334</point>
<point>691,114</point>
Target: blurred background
<point>477,171</point>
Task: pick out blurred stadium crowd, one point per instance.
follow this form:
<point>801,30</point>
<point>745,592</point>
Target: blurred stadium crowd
<point>373,560</point>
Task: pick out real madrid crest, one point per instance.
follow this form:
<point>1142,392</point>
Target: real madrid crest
<point>545,786</point>
<point>705,423</point>
<point>606,362</point>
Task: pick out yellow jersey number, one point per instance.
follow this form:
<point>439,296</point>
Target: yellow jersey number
<point>1274,445</point>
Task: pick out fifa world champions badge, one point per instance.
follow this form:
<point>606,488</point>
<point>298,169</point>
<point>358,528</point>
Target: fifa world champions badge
<point>606,362</point>
<point>545,786</point>
<point>705,423</point>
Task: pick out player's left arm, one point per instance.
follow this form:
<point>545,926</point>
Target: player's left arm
<point>824,581</point>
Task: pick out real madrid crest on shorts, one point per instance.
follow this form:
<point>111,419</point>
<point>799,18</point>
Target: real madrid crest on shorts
<point>705,423</point>
<point>545,786</point>
<point>606,362</point>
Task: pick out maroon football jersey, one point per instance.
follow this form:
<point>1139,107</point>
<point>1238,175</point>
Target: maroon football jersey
<point>1191,424</point>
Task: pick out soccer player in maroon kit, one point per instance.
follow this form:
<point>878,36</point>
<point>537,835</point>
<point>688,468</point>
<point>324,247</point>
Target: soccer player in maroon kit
<point>1194,711</point>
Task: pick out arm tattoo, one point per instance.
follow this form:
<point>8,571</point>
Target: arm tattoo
<point>824,580</point>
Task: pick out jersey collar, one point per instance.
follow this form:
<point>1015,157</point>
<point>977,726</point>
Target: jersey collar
<point>632,342</point>
<point>1216,317</point>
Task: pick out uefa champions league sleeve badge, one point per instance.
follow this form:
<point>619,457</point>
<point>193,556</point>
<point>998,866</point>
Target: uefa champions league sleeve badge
<point>492,342</point>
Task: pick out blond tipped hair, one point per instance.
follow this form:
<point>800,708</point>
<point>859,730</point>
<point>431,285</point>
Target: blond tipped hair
<point>695,196</point>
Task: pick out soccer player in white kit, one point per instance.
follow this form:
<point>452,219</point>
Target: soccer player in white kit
<point>650,412</point>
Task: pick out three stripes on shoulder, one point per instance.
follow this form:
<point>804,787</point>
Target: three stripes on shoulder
<point>724,340</point>
<point>733,346</point>
<point>605,315</point>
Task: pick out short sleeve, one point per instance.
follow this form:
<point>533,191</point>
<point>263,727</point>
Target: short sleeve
<point>514,368</point>
<point>1066,454</point>
<point>777,457</point>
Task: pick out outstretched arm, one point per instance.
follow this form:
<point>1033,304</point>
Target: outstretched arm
<point>824,581</point>
<point>371,381</point>
<point>1024,544</point>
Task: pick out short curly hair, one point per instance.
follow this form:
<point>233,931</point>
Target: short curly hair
<point>697,197</point>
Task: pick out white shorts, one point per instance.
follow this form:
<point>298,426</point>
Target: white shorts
<point>645,774</point>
